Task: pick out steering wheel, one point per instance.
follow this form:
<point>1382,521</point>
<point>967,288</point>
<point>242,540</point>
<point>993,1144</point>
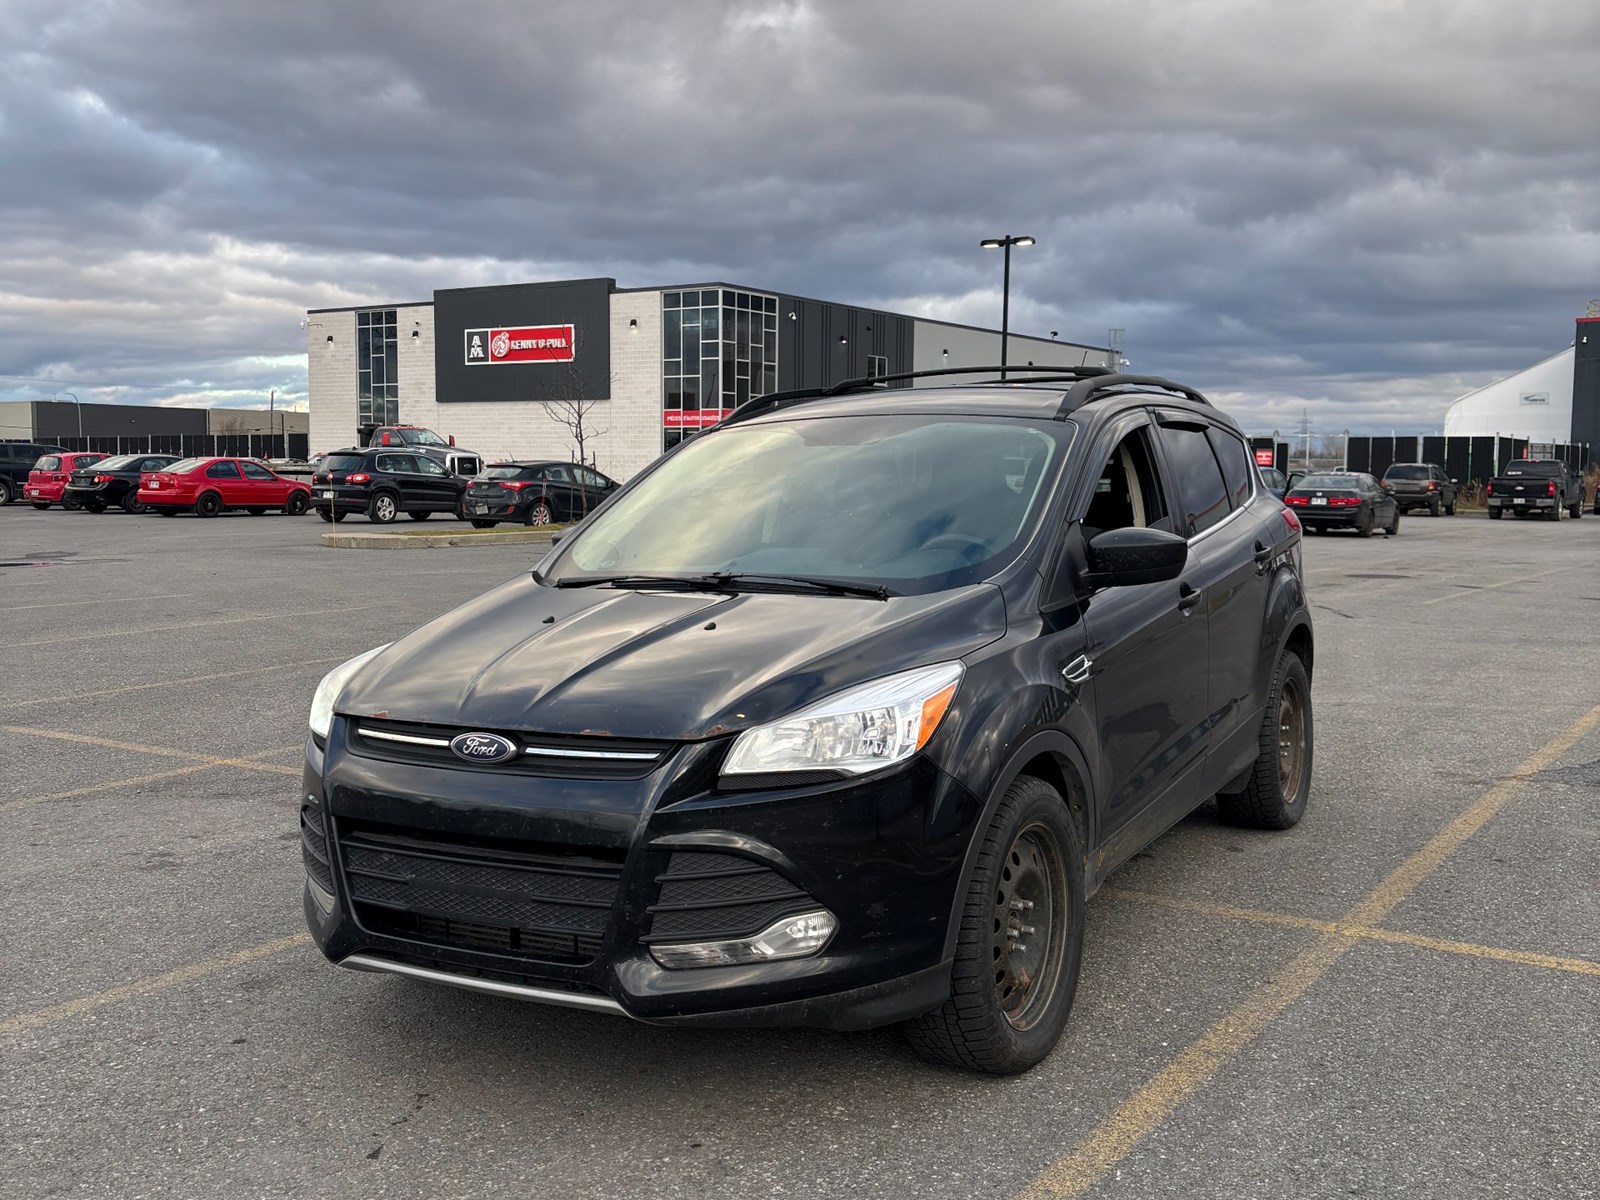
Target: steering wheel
<point>970,548</point>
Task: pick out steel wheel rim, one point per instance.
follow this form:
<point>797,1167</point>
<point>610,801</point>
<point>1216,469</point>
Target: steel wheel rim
<point>1030,923</point>
<point>1291,740</point>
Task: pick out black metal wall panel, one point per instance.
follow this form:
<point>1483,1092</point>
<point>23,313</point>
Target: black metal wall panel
<point>1586,388</point>
<point>56,420</point>
<point>820,344</point>
<point>1457,460</point>
<point>585,304</point>
<point>1358,454</point>
<point>1432,450</point>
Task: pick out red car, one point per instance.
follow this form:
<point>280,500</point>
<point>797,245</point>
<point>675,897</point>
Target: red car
<point>49,476</point>
<point>207,486</point>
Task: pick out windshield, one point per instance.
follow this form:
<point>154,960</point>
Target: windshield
<point>503,472</point>
<point>911,502</point>
<point>184,465</point>
<point>120,463</point>
<point>1406,473</point>
<point>422,437</point>
<point>1336,483</point>
<point>1538,470</point>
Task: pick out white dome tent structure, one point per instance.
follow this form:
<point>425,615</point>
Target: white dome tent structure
<point>1535,403</point>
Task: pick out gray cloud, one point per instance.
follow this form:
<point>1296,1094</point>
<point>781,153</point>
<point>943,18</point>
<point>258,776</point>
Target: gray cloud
<point>1366,209</point>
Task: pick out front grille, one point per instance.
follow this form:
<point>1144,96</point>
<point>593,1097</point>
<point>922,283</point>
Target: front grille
<point>706,897</point>
<point>546,904</point>
<point>314,848</point>
<point>537,754</point>
<point>467,464</point>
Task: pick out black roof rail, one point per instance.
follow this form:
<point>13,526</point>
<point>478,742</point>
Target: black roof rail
<point>1085,390</point>
<point>774,401</point>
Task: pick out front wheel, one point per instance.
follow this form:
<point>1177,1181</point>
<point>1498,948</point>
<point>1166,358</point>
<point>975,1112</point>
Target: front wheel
<point>1275,792</point>
<point>1020,941</point>
<point>296,504</point>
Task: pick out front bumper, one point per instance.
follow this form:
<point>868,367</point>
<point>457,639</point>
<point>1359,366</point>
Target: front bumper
<point>883,855</point>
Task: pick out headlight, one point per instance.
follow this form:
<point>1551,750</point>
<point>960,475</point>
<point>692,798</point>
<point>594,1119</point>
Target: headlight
<point>866,728</point>
<point>332,684</point>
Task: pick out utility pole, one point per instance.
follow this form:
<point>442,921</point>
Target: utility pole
<point>272,404</point>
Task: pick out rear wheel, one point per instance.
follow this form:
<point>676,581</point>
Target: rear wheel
<point>131,504</point>
<point>1434,507</point>
<point>296,504</point>
<point>1450,509</point>
<point>539,514</point>
<point>1556,513</point>
<point>1494,514</point>
<point>1019,944</point>
<point>1364,524</point>
<point>6,495</point>
<point>1275,792</point>
<point>1394,525</point>
<point>209,504</point>
<point>70,505</point>
<point>383,509</point>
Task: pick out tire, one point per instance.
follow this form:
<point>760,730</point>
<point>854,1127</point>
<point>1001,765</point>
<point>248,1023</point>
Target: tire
<point>94,506</point>
<point>130,504</point>
<point>1434,507</point>
<point>1576,511</point>
<point>1555,514</point>
<point>539,514</point>
<point>208,504</point>
<point>6,493</point>
<point>41,505</point>
<point>1030,865</point>
<point>1450,509</point>
<point>383,508</point>
<point>70,505</point>
<point>479,523</point>
<point>1275,793</point>
<point>1364,527</point>
<point>419,516</point>
<point>296,504</point>
<point>1394,525</point>
<point>1495,514</point>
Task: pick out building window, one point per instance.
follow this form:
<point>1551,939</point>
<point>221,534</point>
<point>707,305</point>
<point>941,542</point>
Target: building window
<point>877,367</point>
<point>377,368</point>
<point>719,350</point>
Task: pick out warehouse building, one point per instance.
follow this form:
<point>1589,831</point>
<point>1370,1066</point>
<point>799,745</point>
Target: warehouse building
<point>154,428</point>
<point>510,371</point>
<point>1556,400</point>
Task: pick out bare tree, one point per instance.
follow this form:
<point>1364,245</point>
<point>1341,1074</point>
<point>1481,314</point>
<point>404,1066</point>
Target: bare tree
<point>567,403</point>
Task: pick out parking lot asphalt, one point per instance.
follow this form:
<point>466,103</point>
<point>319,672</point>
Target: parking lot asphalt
<point>1401,996</point>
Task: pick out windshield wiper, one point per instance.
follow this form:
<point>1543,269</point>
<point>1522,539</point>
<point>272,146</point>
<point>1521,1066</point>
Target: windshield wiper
<point>733,581</point>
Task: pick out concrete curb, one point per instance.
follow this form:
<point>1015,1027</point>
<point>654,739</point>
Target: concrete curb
<point>432,541</point>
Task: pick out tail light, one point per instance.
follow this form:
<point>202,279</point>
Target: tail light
<point>102,478</point>
<point>1488,489</point>
<point>1433,485</point>
<point>1300,500</point>
<point>358,477</point>
<point>1292,521</point>
<point>1550,488</point>
<point>514,485</point>
<point>1343,501</point>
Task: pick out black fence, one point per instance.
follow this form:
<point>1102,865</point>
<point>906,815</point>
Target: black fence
<point>1467,459</point>
<point>196,445</point>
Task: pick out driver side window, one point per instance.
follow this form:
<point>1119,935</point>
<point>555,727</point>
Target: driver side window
<point>1128,493</point>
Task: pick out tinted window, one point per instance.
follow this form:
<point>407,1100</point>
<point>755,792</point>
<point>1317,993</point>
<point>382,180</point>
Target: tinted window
<point>396,464</point>
<point>222,470</point>
<point>1202,494</point>
<point>556,475</point>
<point>1406,473</point>
<point>591,478</point>
<point>919,504</point>
<point>255,471</point>
<point>1273,477</point>
<point>427,466</point>
<point>123,462</point>
<point>1236,464</point>
<point>343,462</point>
<point>1538,470</point>
<point>1336,483</point>
<point>154,464</point>
<point>48,463</point>
<point>422,437</point>
<point>506,473</point>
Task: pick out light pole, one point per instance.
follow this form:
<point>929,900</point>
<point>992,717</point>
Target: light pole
<point>79,403</point>
<point>1005,244</point>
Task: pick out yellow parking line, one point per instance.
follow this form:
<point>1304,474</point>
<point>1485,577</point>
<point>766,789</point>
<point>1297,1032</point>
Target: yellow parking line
<point>297,614</point>
<point>1086,1164</point>
<point>248,763</point>
<point>1489,587</point>
<point>102,600</point>
<point>166,683</point>
<point>145,987</point>
<point>1525,958</point>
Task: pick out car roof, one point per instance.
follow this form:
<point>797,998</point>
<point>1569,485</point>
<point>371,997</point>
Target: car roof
<point>1027,400</point>
<point>536,462</point>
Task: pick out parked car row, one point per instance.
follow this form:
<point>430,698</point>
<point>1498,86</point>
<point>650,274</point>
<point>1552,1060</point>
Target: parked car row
<point>162,483</point>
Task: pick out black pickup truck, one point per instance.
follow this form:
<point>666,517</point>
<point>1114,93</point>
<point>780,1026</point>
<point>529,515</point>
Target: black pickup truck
<point>1536,485</point>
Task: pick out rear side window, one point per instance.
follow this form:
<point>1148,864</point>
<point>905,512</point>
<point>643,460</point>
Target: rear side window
<point>342,462</point>
<point>557,475</point>
<point>48,463</point>
<point>396,464</point>
<point>1202,493</point>
<point>1236,464</point>
<point>222,470</point>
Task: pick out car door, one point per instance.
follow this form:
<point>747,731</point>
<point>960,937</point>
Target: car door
<point>591,488</point>
<point>264,488</point>
<point>1383,504</point>
<point>223,476</point>
<point>1146,655</point>
<point>559,492</point>
<point>437,487</point>
<point>398,471</point>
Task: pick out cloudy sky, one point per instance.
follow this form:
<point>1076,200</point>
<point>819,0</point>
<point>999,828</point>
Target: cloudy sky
<point>1366,207</point>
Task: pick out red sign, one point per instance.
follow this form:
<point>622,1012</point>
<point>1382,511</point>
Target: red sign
<point>524,344</point>
<point>1264,458</point>
<point>705,418</point>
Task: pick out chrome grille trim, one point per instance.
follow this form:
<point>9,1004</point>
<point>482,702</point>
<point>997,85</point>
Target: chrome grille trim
<point>605,755</point>
<point>408,739</point>
<point>371,962</point>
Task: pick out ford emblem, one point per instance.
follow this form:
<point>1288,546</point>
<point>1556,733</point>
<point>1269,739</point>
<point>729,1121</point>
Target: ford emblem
<point>482,747</point>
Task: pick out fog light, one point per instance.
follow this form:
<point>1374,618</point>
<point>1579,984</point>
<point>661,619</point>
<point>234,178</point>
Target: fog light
<point>792,937</point>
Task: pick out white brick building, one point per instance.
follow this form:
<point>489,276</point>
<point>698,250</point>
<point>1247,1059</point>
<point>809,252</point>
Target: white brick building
<point>650,364</point>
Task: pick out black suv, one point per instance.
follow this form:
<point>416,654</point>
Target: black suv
<point>16,460</point>
<point>835,715</point>
<point>383,483</point>
<point>1421,485</point>
<point>534,493</point>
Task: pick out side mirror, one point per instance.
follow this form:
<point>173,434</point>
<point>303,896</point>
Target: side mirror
<point>452,439</point>
<point>1125,557</point>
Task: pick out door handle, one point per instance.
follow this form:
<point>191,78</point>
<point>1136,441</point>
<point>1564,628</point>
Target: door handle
<point>1078,670</point>
<point>1263,557</point>
<point>1188,597</point>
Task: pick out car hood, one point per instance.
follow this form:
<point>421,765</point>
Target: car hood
<point>671,665</point>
